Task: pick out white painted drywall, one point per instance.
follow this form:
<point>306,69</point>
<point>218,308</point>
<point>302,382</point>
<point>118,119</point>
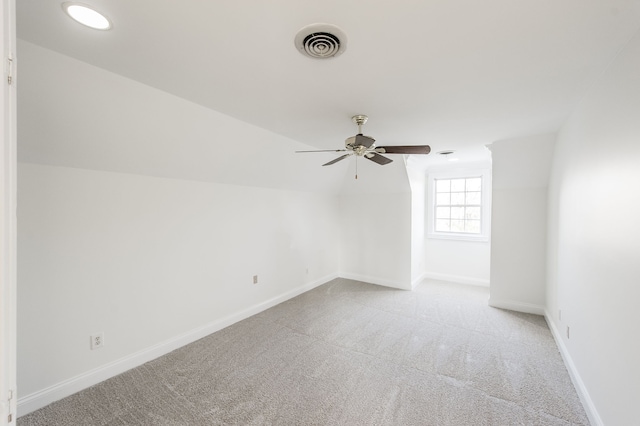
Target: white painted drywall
<point>375,238</point>
<point>522,162</point>
<point>418,181</point>
<point>460,261</point>
<point>76,115</point>
<point>145,259</point>
<point>594,241</point>
<point>375,223</point>
<point>465,262</point>
<point>518,249</point>
<point>519,222</point>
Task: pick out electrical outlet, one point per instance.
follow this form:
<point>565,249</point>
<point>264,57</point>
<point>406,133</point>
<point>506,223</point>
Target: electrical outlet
<point>255,279</point>
<point>567,332</point>
<point>97,340</point>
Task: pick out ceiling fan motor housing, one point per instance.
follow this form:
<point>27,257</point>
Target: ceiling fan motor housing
<point>359,143</point>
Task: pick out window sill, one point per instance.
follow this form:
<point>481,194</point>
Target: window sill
<point>458,237</point>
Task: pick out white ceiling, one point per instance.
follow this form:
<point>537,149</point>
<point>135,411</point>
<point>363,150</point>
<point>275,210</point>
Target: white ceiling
<point>452,74</point>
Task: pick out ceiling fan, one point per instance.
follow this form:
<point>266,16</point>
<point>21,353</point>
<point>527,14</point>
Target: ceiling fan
<point>365,146</point>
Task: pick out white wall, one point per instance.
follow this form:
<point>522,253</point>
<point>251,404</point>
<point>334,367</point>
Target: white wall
<point>594,242</point>
<point>518,253</point>
<point>76,115</point>
<point>147,260</point>
<point>460,261</point>
<point>375,223</point>
<point>465,262</point>
<point>418,182</point>
<point>519,222</point>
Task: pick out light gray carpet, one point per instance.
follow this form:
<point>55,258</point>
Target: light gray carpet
<point>348,353</point>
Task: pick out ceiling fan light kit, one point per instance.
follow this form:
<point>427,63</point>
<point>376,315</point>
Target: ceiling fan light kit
<point>365,146</point>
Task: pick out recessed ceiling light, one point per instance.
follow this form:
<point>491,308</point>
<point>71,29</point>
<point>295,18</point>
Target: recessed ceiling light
<point>86,16</point>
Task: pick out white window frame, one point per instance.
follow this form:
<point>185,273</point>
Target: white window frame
<point>485,223</point>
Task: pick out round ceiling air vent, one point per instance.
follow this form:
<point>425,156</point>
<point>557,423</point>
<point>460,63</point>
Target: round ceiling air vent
<point>321,41</point>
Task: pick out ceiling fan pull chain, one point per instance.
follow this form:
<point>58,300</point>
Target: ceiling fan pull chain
<point>356,167</point>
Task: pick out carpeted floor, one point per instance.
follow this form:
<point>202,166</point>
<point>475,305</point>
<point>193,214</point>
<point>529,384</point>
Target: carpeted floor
<point>348,353</point>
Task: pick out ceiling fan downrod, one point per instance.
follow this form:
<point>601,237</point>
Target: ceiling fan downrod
<point>360,120</point>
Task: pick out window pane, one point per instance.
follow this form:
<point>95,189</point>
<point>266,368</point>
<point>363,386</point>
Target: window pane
<point>472,213</point>
<point>443,199</point>
<point>442,225</point>
<point>472,226</point>
<point>457,185</point>
<point>443,212</point>
<point>474,198</point>
<point>457,212</point>
<point>443,185</point>
<point>457,198</point>
<point>458,205</point>
<point>474,184</point>
<point>457,226</point>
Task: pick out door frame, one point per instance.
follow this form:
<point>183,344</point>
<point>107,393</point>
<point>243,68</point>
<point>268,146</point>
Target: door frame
<point>8,232</point>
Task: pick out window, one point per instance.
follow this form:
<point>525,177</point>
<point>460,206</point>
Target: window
<point>459,205</point>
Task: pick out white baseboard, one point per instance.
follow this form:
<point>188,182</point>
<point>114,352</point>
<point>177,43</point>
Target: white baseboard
<point>68,387</point>
<point>374,280</point>
<point>417,281</point>
<point>459,279</point>
<point>583,394</point>
<point>527,308</point>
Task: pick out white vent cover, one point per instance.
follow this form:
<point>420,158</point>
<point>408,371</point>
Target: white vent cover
<point>321,41</point>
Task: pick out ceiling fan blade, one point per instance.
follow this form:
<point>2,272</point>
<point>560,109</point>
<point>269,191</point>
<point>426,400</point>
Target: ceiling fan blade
<point>337,159</point>
<point>404,149</point>
<point>377,158</point>
<point>325,150</point>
